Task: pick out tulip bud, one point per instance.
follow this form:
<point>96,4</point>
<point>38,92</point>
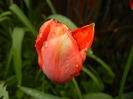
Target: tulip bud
<point>61,51</point>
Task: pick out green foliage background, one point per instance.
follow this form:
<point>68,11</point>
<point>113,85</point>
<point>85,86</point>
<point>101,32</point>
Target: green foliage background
<point>107,72</point>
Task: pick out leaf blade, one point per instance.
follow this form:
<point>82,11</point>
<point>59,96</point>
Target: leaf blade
<point>97,96</point>
<point>3,91</point>
<point>93,77</point>
<point>37,94</point>
<point>18,12</point>
<point>64,20</point>
<point>103,64</point>
<point>17,38</point>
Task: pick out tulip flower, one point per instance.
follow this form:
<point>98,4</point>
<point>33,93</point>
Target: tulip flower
<point>62,51</point>
<point>131,4</point>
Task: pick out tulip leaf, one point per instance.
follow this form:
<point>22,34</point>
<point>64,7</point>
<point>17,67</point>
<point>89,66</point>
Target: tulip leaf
<point>125,73</point>
<point>5,14</point>
<point>8,61</point>
<point>63,20</point>
<point>28,4</point>
<point>19,13</point>
<point>77,88</point>
<point>128,95</point>
<point>17,38</point>
<point>102,63</point>
<point>4,18</point>
<point>93,77</point>
<point>3,91</point>
<point>51,6</point>
<point>97,96</point>
<point>37,94</point>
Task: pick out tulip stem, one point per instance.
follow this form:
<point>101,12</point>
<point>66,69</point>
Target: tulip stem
<point>77,88</point>
<point>100,61</point>
<point>125,73</point>
<point>93,77</point>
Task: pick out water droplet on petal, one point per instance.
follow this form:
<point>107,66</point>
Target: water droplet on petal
<point>76,70</point>
<point>77,65</point>
<point>46,44</point>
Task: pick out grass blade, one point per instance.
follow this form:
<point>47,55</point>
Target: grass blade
<point>93,77</point>
<point>28,4</point>
<point>17,38</point>
<point>125,73</point>
<point>103,64</point>
<point>4,18</point>
<point>18,12</point>
<point>3,91</point>
<point>51,6</point>
<point>64,20</point>
<point>97,95</point>
<point>77,88</point>
<point>37,94</point>
<point>5,14</point>
<point>8,61</point>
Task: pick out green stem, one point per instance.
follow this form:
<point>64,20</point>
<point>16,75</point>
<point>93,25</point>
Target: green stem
<point>94,78</point>
<point>100,61</point>
<point>77,88</point>
<point>125,73</point>
<point>51,6</point>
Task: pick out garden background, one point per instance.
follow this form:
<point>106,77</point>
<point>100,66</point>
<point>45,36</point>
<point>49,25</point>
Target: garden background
<point>108,70</point>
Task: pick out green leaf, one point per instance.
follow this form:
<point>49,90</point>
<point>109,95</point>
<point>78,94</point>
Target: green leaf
<point>128,95</point>
<point>3,92</point>
<point>28,3</point>
<point>51,6</point>
<point>63,20</point>
<point>5,14</point>
<point>93,77</point>
<point>8,61</point>
<point>90,86</point>
<point>77,88</point>
<point>17,38</point>
<point>4,18</point>
<point>97,96</point>
<point>125,73</point>
<point>37,94</point>
<point>103,64</point>
<point>18,12</point>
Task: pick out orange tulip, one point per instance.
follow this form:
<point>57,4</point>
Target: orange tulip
<point>61,51</point>
<point>131,4</point>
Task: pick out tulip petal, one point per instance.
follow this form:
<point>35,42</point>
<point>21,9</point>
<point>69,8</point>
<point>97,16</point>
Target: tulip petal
<point>84,36</point>
<point>62,59</point>
<point>131,4</point>
<point>57,29</point>
<point>48,30</point>
<point>41,38</point>
<point>43,34</point>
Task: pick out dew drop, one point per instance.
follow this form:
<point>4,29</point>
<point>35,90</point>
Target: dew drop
<point>46,44</point>
<point>77,65</point>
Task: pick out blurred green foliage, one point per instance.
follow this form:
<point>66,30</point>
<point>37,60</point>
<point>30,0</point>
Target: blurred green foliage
<point>100,77</point>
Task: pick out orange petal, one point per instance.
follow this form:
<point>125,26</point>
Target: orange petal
<point>48,30</point>
<point>131,4</point>
<point>84,36</point>
<point>62,59</point>
<point>43,34</point>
